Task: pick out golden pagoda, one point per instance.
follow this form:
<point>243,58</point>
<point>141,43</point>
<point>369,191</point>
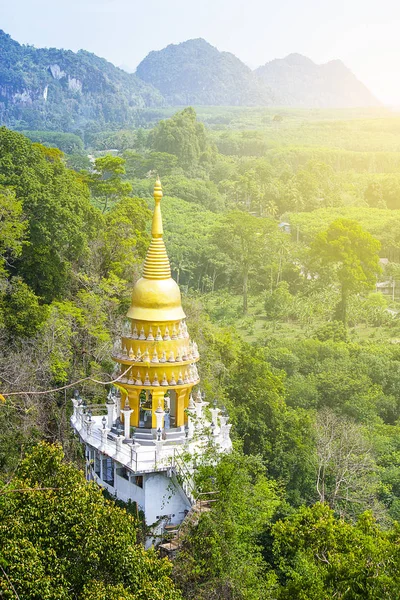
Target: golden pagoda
<point>157,348</point>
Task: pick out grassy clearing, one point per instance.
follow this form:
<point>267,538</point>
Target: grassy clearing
<point>226,310</point>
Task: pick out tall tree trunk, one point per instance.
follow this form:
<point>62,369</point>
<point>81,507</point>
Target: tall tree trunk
<point>245,282</point>
<point>341,308</point>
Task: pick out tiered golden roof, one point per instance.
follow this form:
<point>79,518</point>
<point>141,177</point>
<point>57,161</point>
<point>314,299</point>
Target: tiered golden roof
<point>158,346</point>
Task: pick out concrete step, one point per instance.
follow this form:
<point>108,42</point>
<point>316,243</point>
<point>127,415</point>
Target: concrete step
<point>176,438</point>
<point>143,434</point>
<point>174,433</point>
<point>171,528</point>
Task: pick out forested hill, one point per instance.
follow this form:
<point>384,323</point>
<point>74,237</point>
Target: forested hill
<point>48,88</point>
<point>194,72</point>
<point>53,89</point>
<point>298,81</point>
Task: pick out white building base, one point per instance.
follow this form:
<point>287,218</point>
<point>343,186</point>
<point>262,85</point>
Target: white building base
<point>154,472</point>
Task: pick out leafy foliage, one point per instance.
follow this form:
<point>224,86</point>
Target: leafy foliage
<point>221,557</point>
<point>314,404</point>
<point>349,254</point>
<point>12,227</point>
<point>183,137</point>
<point>55,204</point>
<point>105,181</point>
<point>61,539</point>
<point>318,556</point>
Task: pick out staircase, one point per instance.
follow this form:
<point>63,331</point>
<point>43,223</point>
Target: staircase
<point>144,437</point>
<point>185,477</point>
<point>175,534</point>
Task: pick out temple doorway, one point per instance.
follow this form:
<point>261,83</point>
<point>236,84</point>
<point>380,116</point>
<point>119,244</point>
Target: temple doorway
<point>145,409</point>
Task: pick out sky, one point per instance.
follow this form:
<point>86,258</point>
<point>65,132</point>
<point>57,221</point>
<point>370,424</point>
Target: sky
<point>364,34</point>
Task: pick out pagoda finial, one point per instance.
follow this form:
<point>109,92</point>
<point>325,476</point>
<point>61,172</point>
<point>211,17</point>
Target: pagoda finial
<point>157,227</point>
<point>156,265</point>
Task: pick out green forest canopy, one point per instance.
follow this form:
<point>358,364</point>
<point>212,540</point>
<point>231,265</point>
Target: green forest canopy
<point>290,375</point>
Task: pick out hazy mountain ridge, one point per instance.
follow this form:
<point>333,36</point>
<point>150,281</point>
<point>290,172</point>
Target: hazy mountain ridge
<point>59,89</point>
<point>55,89</point>
<point>194,72</point>
<point>298,81</point>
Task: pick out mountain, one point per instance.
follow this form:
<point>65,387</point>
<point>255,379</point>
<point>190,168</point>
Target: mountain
<point>52,89</point>
<point>194,72</point>
<point>47,88</point>
<point>298,81</point>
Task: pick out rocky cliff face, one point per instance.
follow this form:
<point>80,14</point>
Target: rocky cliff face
<point>60,89</point>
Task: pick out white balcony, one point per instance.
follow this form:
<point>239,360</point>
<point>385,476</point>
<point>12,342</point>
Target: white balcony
<point>148,451</point>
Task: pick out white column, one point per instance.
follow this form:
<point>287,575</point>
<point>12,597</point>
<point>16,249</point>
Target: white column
<point>82,417</point>
<point>134,455</point>
<point>101,466</point>
<point>110,413</point>
<point>159,413</point>
<point>79,414</point>
<point>223,421</point>
<point>118,405</point>
<point>89,425</point>
<point>104,434</point>
<point>214,418</point>
<point>199,405</point>
<point>159,446</point>
<point>75,413</point>
<point>226,440</point>
<point>127,421</point>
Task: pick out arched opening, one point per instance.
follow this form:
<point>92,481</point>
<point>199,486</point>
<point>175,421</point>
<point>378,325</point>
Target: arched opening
<point>172,408</point>
<point>145,409</point>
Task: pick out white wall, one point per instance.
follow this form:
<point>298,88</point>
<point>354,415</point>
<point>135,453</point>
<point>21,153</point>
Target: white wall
<point>163,497</point>
<point>129,491</point>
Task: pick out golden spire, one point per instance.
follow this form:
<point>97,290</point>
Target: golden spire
<point>156,265</point>
<point>156,296</point>
<point>156,226</point>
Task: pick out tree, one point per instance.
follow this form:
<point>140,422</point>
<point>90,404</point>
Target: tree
<point>61,539</point>
<point>197,191</point>
<point>248,241</point>
<point>122,242</point>
<point>20,310</point>
<point>106,183</point>
<point>12,227</point>
<point>346,471</point>
<point>220,557</point>
<point>188,237</point>
<point>345,252</point>
<point>333,330</point>
<point>266,425</point>
<point>318,557</point>
<point>57,212</point>
<point>279,303</point>
<point>184,137</point>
